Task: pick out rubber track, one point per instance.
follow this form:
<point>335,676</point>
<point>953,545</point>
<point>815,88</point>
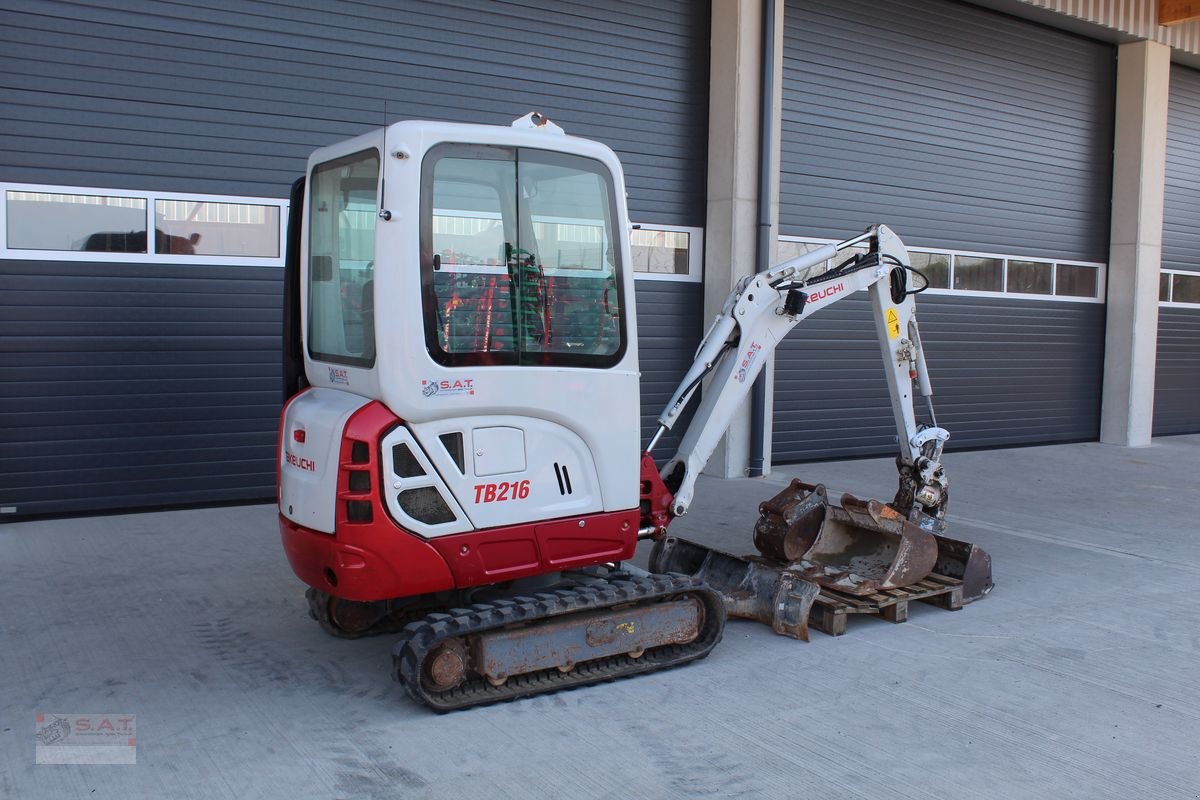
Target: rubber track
<point>420,638</point>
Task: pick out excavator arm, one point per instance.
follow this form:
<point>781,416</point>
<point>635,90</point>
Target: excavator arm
<point>757,316</point>
<point>809,545</point>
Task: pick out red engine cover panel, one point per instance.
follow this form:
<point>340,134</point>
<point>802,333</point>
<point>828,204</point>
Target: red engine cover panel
<point>365,560</point>
<point>369,562</point>
<point>379,560</point>
<point>519,551</point>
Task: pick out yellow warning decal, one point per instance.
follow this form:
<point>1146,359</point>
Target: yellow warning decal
<point>893,323</point>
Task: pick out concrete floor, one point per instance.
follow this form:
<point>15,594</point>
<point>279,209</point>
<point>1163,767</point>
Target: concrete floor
<point>1076,678</point>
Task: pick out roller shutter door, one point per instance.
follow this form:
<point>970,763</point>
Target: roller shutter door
<point>962,129</point>
<point>143,384</point>
<point>1177,373</point>
<point>670,317</point>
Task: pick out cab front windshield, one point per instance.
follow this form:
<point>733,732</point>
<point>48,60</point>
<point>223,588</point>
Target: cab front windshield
<point>520,258</point>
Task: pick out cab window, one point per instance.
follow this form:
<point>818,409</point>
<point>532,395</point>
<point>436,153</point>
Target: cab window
<point>520,259</point>
<point>343,206</point>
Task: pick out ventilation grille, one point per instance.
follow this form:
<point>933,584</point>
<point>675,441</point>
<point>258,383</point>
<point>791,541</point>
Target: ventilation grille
<point>425,504</point>
<point>564,478</point>
<point>420,495</point>
<point>404,463</point>
<point>357,492</point>
<point>453,442</point>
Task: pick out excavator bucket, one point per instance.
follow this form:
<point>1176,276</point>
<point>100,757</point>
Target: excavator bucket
<point>968,562</point>
<point>753,588</point>
<point>859,547</point>
<point>806,543</point>
<point>789,522</point>
<point>864,547</point>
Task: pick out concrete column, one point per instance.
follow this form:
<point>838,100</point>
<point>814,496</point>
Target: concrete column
<point>731,224</point>
<point>1135,249</point>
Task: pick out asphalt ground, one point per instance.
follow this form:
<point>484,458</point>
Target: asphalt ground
<point>1075,678</point>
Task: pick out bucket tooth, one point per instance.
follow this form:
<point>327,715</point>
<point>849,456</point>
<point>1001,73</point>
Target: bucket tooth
<point>864,547</point>
<point>751,587</point>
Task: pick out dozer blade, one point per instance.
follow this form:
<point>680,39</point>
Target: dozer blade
<point>752,588</point>
<point>866,546</point>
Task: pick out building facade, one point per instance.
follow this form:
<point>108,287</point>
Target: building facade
<point>148,151</point>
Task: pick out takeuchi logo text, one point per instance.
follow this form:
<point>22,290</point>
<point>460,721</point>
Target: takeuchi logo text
<point>828,291</point>
<point>306,464</point>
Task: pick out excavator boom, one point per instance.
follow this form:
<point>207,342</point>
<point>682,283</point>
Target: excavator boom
<point>764,308</point>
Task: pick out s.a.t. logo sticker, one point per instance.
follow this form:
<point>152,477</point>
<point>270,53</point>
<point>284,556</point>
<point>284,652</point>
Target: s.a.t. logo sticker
<point>747,362</point>
<point>446,388</point>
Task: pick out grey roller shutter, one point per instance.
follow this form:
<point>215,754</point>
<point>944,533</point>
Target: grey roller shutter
<point>1015,380</point>
<point>130,387</point>
<point>231,98</point>
<point>141,385</point>
<point>958,126</point>
<point>669,317</point>
<point>963,129</point>
<point>1177,373</point>
<point>1181,196</point>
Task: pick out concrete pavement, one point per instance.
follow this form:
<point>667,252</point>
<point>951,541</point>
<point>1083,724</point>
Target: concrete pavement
<point>1076,678</point>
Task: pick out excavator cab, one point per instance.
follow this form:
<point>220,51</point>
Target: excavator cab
<point>468,288</point>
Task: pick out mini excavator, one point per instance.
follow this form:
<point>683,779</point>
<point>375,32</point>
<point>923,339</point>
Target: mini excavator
<point>460,459</point>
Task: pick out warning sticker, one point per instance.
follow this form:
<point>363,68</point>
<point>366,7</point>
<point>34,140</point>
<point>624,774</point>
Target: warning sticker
<point>893,323</point>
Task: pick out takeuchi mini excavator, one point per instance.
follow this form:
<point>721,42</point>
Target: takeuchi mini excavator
<point>460,456</point>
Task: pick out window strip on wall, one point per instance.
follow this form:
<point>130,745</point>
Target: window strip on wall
<point>667,253</point>
<point>957,272</point>
<point>72,223</point>
<point>1177,288</point>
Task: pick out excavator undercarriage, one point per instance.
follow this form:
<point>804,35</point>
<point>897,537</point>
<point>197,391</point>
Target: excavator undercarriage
<point>463,649</point>
<point>603,628</point>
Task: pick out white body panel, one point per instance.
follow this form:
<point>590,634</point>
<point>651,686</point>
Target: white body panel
<point>588,416</point>
<point>308,470</point>
<point>395,483</point>
<point>561,475</point>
